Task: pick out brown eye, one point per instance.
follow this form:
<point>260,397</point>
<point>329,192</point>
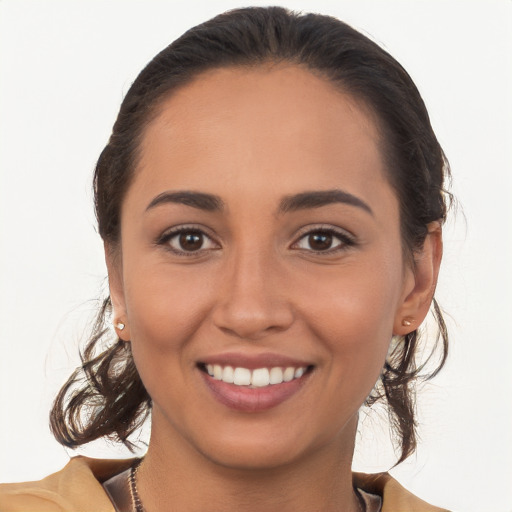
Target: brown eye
<point>320,241</point>
<point>188,241</point>
<point>327,240</point>
<point>191,241</point>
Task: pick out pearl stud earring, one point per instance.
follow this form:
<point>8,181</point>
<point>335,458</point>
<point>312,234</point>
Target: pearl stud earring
<point>120,326</point>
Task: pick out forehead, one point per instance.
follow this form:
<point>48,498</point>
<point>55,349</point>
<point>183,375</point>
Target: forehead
<point>249,126</point>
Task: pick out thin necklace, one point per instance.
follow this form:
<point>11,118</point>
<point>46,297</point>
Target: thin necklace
<point>136,501</point>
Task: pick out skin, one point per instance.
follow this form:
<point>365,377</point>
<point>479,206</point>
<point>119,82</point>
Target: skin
<point>253,137</point>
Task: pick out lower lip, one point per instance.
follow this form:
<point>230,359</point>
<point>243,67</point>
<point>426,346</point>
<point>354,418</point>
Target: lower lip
<point>246,399</point>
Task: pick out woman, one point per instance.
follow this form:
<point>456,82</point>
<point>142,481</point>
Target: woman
<point>271,202</point>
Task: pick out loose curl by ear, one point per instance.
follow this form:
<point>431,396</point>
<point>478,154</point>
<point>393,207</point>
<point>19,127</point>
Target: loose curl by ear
<point>399,378</point>
<point>105,396</point>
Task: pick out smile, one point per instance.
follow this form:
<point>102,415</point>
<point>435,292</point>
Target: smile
<point>254,383</point>
<point>257,378</point>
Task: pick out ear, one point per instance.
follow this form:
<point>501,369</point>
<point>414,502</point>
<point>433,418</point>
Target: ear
<point>419,293</point>
<point>115,281</point>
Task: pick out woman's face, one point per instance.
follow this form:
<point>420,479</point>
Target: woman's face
<point>260,241</point>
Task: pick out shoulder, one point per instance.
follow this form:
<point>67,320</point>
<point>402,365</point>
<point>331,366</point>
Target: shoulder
<point>395,498</point>
<point>76,487</point>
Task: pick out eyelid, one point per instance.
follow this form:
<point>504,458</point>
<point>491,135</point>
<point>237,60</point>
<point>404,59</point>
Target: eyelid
<point>347,238</point>
<point>168,234</point>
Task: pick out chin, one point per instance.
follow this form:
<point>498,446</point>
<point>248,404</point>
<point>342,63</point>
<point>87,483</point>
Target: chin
<point>265,446</point>
<point>253,456</point>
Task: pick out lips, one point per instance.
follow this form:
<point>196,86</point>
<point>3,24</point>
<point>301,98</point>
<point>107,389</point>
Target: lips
<point>254,383</point>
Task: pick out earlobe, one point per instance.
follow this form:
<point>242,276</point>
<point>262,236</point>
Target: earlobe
<point>115,281</point>
<point>416,304</point>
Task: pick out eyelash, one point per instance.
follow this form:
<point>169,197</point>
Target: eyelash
<point>345,239</point>
<point>165,239</point>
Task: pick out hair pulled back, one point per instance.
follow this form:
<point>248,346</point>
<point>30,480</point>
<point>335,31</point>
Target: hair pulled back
<point>105,396</point>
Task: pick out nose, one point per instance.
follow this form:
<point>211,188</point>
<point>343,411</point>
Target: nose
<point>252,298</point>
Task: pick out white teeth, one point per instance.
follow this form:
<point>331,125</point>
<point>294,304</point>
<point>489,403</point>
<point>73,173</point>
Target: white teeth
<point>217,371</point>
<point>242,377</point>
<point>276,375</point>
<point>299,372</point>
<point>228,375</point>
<point>289,374</point>
<point>258,378</point>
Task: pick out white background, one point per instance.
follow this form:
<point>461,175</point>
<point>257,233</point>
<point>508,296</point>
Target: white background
<point>64,67</point>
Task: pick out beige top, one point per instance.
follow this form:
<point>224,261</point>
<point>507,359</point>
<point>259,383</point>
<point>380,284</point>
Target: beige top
<point>78,488</point>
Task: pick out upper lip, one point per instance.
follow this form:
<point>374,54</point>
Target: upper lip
<point>254,361</point>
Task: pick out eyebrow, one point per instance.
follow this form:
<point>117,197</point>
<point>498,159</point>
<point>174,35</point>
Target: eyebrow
<point>199,200</point>
<point>302,201</point>
<point>319,198</point>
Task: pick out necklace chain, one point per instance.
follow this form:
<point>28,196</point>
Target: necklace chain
<point>136,501</point>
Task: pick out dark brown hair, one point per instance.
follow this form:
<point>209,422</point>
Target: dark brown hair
<point>105,396</point>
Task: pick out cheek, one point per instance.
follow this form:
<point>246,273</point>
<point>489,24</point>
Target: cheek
<point>359,298</point>
<point>161,300</point>
<point>352,312</point>
<point>165,309</point>
<point>355,330</point>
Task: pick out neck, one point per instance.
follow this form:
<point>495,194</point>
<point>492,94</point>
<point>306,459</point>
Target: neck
<point>175,475</point>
